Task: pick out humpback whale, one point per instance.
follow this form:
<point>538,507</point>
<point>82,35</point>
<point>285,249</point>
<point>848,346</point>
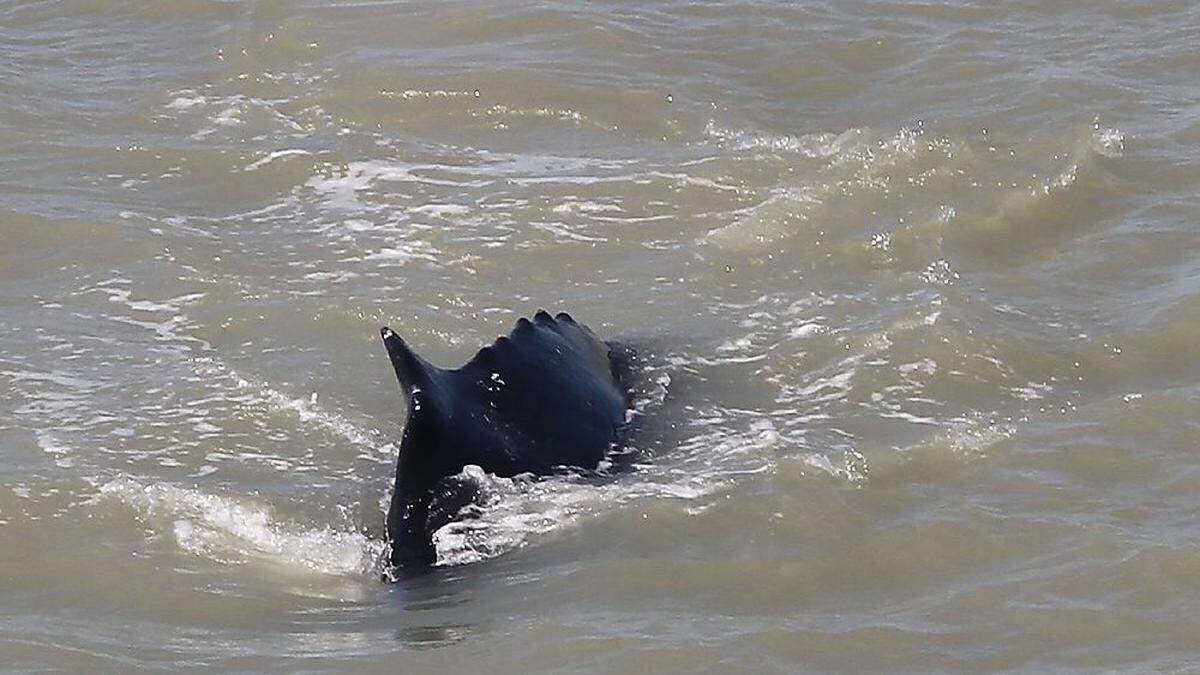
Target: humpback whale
<point>547,395</point>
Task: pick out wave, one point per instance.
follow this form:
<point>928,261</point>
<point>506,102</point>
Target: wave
<point>236,530</point>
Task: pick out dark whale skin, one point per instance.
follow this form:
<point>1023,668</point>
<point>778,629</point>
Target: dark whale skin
<point>545,396</point>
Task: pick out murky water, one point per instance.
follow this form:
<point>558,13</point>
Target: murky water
<point>916,287</point>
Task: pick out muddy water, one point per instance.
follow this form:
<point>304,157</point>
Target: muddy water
<point>916,288</point>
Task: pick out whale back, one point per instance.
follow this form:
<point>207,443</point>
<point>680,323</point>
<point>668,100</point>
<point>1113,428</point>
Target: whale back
<point>544,396</point>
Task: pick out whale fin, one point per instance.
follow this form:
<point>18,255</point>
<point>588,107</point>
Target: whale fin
<point>412,370</point>
<point>542,397</point>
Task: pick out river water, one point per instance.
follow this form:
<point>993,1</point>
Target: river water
<point>915,287</point>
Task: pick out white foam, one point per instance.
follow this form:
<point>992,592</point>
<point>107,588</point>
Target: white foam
<point>441,210</point>
<point>585,206</point>
<point>807,330</point>
<point>232,111</point>
<point>237,531</point>
<point>1099,142</point>
<point>816,145</point>
<point>852,163</point>
<point>278,154</point>
<point>518,510</point>
<point>52,446</point>
<point>1107,141</point>
<point>342,189</point>
<point>405,252</point>
<point>309,412</point>
<point>185,99</point>
<point>823,389</point>
<point>563,233</point>
<point>306,409</point>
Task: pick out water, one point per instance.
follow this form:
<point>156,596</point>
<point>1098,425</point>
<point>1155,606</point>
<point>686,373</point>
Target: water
<point>916,287</point>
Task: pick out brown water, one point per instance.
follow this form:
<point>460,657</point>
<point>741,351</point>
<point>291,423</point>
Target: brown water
<point>917,287</point>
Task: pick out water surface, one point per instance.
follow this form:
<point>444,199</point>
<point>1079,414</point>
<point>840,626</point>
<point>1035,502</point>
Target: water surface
<point>917,289</point>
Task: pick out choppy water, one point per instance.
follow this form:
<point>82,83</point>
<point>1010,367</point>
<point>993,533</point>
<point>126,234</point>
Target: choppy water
<point>917,284</point>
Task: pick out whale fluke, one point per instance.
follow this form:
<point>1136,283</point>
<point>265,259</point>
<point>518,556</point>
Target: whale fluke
<point>544,396</point>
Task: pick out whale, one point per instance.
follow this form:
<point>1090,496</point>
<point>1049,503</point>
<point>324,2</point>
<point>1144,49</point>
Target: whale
<point>545,398</point>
